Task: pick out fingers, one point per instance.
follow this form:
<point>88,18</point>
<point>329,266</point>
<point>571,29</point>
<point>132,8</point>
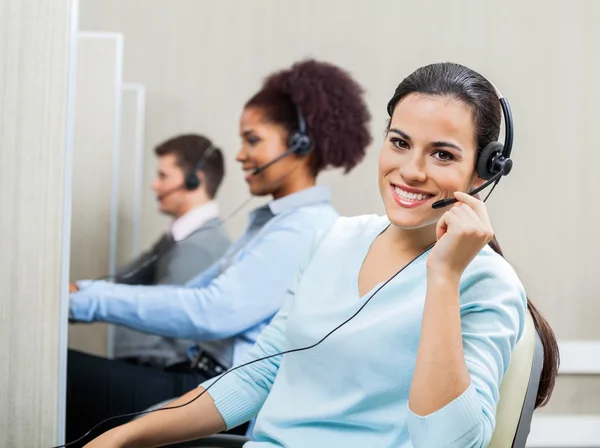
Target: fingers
<point>476,204</point>
<point>467,213</point>
<point>448,219</point>
<point>470,223</point>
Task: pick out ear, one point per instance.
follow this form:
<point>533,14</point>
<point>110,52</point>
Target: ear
<point>202,178</point>
<point>477,181</point>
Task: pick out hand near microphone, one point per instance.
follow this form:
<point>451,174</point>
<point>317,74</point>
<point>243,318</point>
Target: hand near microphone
<point>461,233</point>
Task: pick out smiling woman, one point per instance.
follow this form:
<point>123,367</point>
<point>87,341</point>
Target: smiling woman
<point>398,329</point>
<point>291,121</point>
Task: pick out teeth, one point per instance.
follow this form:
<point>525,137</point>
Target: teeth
<point>411,196</point>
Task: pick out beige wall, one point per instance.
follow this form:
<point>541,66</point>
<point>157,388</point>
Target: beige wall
<point>34,81</point>
<point>200,60</point>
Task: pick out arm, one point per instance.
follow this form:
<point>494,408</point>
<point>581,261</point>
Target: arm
<point>441,374</point>
<point>248,292</point>
<point>464,351</point>
<point>168,426</point>
<point>472,320</point>
<point>231,399</point>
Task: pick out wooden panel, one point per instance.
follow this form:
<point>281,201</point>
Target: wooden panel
<point>95,165</point>
<point>35,51</point>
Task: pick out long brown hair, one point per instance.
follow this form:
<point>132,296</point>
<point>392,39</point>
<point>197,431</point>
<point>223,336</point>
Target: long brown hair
<point>551,353</point>
<point>460,82</point>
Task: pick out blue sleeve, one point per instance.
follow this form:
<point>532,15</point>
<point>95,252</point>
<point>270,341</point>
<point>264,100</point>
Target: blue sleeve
<point>493,307</point>
<point>250,291</point>
<point>240,392</point>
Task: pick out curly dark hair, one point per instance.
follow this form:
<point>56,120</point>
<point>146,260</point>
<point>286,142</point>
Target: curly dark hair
<point>332,104</point>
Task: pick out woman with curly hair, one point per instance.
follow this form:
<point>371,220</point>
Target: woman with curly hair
<point>303,120</point>
<point>398,329</point>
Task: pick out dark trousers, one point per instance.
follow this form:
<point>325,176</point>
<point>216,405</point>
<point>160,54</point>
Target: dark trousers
<point>99,388</point>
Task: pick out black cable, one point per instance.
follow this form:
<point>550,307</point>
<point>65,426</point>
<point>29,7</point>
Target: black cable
<point>286,352</point>
<point>492,189</point>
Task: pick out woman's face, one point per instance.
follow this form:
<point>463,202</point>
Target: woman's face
<point>429,153</point>
<point>262,142</point>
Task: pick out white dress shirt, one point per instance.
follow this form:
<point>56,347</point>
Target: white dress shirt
<point>187,224</point>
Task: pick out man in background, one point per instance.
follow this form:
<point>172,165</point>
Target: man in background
<point>190,171</point>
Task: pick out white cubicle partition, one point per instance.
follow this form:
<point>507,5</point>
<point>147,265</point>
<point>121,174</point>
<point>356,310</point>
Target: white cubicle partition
<point>95,171</point>
<point>131,166</point>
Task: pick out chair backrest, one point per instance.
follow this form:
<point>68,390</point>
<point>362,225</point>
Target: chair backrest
<point>518,390</point>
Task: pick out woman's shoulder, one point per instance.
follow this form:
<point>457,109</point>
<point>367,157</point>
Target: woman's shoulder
<point>356,226</point>
<point>346,233</point>
<point>489,276</point>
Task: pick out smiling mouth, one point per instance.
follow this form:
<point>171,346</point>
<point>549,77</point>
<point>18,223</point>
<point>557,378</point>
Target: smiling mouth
<point>408,198</point>
<point>248,173</point>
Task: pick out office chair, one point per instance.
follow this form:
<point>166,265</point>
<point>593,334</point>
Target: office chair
<point>518,390</point>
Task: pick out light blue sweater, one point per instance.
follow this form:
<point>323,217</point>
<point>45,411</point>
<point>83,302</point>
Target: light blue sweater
<point>352,390</point>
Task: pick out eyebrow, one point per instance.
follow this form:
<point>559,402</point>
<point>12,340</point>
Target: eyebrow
<point>439,144</point>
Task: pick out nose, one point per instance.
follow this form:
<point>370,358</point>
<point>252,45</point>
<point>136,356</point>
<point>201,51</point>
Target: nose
<point>242,154</point>
<point>413,168</point>
<point>155,186</point>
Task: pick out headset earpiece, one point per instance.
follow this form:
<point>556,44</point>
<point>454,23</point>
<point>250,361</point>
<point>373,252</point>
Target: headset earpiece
<point>300,144</point>
<point>191,181</point>
<point>493,162</point>
<point>485,161</point>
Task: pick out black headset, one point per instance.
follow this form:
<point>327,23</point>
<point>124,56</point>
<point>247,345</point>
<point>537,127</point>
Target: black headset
<point>299,143</point>
<point>191,180</point>
<point>493,161</point>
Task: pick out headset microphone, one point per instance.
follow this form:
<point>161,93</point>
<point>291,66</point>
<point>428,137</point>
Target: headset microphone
<point>493,161</point>
<point>160,197</point>
<point>260,169</point>
<point>495,179</point>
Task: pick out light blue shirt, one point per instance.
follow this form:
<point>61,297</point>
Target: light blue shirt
<point>228,305</point>
<point>352,390</point>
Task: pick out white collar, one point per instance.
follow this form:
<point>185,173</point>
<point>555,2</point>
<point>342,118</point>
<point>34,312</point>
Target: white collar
<point>187,224</point>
